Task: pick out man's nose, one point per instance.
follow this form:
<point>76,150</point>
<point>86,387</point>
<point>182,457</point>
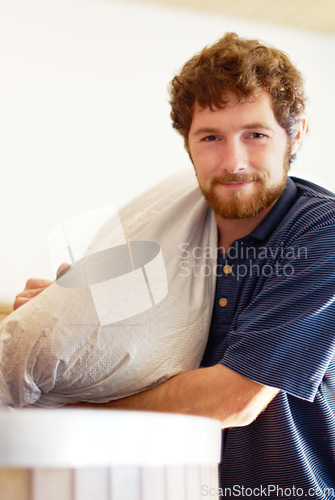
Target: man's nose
<point>233,157</point>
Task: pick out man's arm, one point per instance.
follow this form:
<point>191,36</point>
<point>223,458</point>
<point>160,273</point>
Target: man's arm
<point>216,392</point>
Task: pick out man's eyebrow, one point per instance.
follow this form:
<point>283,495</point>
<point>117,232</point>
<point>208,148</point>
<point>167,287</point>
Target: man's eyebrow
<point>206,130</point>
<point>257,125</point>
<point>248,126</point>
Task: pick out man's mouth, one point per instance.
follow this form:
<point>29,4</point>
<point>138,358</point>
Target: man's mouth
<point>236,184</point>
<point>234,181</point>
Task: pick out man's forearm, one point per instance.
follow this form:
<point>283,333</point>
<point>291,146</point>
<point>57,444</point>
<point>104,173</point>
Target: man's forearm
<point>216,392</point>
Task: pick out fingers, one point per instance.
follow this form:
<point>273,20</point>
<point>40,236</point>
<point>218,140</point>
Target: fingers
<point>63,268</point>
<point>36,283</point>
<point>33,287</point>
<point>19,301</point>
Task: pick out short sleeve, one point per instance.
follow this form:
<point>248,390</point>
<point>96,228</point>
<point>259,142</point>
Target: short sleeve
<point>285,337</point>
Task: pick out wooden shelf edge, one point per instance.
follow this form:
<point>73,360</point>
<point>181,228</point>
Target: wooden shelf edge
<point>5,308</point>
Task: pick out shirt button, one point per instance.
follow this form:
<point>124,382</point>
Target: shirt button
<point>227,269</point>
<point>223,302</point>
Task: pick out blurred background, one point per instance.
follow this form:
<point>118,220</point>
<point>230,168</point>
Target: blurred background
<point>84,114</point>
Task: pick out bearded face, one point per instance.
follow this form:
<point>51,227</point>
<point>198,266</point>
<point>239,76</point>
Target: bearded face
<point>241,156</point>
<point>238,205</point>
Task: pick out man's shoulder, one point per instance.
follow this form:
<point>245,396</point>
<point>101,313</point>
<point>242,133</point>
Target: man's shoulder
<point>314,208</point>
<point>313,191</point>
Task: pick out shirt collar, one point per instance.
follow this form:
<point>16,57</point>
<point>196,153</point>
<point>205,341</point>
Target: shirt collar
<point>276,214</point>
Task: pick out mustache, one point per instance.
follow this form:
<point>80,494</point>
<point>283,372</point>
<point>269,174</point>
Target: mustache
<point>235,179</point>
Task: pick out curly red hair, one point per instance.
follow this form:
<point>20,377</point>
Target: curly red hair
<point>243,67</point>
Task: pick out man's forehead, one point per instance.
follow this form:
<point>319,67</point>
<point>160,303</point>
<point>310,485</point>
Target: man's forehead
<point>230,99</point>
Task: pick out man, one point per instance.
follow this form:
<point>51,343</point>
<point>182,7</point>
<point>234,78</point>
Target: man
<point>268,370</point>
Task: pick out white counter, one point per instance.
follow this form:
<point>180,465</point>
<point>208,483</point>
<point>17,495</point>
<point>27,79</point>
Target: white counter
<point>75,454</point>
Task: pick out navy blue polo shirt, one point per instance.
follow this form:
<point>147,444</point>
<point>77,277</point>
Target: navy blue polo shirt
<point>274,322</point>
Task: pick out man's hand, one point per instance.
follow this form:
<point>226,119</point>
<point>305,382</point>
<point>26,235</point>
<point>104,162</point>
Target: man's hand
<point>35,286</point>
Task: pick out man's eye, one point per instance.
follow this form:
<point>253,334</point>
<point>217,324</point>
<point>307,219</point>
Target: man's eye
<point>257,135</point>
<point>210,138</point>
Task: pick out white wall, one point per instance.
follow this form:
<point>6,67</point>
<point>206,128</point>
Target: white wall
<point>84,119</point>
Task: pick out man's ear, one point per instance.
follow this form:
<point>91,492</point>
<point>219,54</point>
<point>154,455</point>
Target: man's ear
<point>299,133</point>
